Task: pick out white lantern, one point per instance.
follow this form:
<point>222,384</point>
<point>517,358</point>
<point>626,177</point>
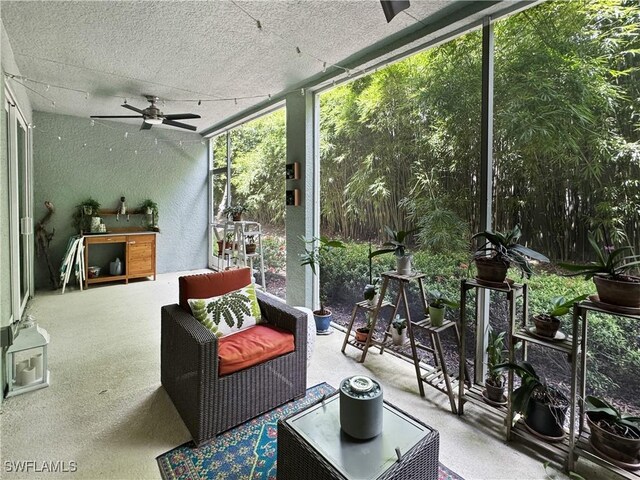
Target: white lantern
<point>27,359</point>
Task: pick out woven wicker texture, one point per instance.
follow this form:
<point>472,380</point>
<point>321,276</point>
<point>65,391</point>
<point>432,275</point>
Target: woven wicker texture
<point>298,460</point>
<point>209,404</point>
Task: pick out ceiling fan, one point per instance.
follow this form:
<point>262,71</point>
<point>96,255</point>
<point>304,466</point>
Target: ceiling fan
<point>153,116</point>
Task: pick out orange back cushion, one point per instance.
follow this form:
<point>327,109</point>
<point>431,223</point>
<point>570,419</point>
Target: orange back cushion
<point>211,284</point>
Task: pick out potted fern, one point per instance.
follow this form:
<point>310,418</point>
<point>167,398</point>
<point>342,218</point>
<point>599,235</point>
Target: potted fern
<point>613,274</point>
<point>314,254</point>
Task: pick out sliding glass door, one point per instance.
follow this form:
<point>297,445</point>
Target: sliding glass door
<point>20,223</point>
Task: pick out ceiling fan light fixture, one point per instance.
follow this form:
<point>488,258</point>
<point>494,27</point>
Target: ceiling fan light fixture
<point>153,121</point>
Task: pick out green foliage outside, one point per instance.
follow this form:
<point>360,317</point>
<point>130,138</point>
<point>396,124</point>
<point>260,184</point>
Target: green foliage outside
<point>613,343</point>
<point>400,148</point>
<point>566,151</point>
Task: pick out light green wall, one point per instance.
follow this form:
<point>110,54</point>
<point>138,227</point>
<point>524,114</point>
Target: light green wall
<point>73,161</point>
<point>299,219</point>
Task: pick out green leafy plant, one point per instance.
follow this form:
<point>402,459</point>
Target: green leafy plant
<point>399,324</point>
<point>607,417</point>
<point>396,245</point>
<point>90,206</point>
<point>504,247</point>
<point>371,289</point>
<point>532,386</point>
<point>613,263</point>
<point>440,300</point>
<point>314,255</point>
<point>559,306</point>
<point>84,211</point>
<point>496,355</point>
<point>234,210</point>
<point>149,205</point>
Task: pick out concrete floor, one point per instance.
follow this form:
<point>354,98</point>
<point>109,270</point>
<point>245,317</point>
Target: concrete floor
<point>106,410</point>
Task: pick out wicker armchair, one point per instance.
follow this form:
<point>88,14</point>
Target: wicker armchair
<point>208,403</point>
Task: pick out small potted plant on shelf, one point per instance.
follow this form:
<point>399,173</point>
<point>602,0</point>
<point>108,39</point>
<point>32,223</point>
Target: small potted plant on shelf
<point>495,382</point>
<point>614,436</point>
<point>547,323</point>
<point>613,274</point>
<point>363,332</point>
<point>149,207</point>
<point>543,407</point>
<point>234,212</point>
<point>250,245</point>
<point>499,252</point>
<point>317,250</point>
<point>437,307</point>
<point>90,207</point>
<point>398,247</point>
<point>399,331</point>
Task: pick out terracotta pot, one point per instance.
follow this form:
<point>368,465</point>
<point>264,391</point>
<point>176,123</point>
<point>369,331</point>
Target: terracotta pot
<point>616,292</point>
<point>237,217</point>
<point>361,334</point>
<point>546,325</point>
<point>220,242</point>
<point>619,448</point>
<point>491,270</point>
<point>250,248</point>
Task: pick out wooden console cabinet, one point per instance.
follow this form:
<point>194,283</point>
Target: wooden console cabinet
<point>140,256</point>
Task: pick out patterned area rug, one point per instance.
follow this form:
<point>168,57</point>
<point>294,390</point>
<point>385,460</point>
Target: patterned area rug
<point>247,452</point>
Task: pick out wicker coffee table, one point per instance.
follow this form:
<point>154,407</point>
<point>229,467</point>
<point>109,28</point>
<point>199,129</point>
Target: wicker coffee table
<point>312,446</point>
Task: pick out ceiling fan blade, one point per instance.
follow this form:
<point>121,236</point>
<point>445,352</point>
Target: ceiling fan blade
<point>126,105</point>
<point>116,116</point>
<point>393,7</point>
<point>181,116</point>
<point>146,126</point>
<point>179,124</point>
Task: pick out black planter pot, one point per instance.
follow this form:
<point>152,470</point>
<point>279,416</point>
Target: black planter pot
<point>547,419</point>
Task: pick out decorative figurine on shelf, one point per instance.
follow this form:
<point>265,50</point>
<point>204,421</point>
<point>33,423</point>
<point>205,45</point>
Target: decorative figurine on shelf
<point>122,210</point>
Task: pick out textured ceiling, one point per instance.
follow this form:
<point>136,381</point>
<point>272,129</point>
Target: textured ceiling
<point>190,50</point>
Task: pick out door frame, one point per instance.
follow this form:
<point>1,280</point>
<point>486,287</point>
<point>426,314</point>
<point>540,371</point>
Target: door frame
<point>21,229</point>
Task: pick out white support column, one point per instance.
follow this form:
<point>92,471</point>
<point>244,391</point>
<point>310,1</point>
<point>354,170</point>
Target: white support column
<point>486,188</point>
<point>302,220</point>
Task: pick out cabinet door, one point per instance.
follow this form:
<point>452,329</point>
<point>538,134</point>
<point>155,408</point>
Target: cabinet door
<point>141,255</point>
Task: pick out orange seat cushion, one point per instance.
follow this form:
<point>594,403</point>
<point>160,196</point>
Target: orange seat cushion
<point>252,346</point>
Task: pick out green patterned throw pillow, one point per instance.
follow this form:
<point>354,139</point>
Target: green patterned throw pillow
<point>229,313</point>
